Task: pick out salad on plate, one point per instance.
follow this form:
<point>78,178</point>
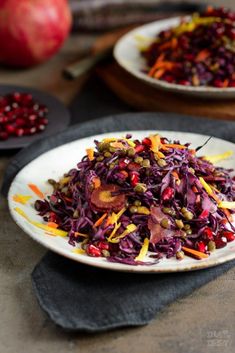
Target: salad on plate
<point>136,201</point>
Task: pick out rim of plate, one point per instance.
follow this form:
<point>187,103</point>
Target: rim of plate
<point>104,264</point>
<point>156,27</point>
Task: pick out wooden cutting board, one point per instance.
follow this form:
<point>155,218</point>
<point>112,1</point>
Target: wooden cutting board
<point>146,98</point>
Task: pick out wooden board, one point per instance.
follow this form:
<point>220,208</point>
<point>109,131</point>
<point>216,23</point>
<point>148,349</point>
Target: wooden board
<point>146,98</point>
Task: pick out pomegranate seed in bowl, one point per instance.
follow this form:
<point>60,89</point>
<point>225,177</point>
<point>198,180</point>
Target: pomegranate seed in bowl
<point>21,115</point>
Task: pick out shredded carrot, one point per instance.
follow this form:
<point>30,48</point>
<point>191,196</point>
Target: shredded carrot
<point>166,65</point>
<point>159,59</point>
<point>99,221</point>
<point>194,189</point>
<point>159,73</point>
<point>173,145</point>
<point>192,151</point>
<point>78,234</point>
<point>209,9</point>
<point>175,174</point>
<point>96,182</point>
<point>90,153</point>
<point>198,254</point>
<point>52,225</point>
<point>225,83</point>
<point>36,190</point>
<point>202,55</point>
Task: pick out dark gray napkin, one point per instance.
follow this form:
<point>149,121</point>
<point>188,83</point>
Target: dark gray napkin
<point>81,298</point>
<point>78,297</point>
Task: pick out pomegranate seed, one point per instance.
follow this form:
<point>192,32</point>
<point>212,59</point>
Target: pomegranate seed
<point>20,122</point>
<point>204,214</point>
<point>19,132</point>
<point>134,176</point>
<point>3,119</point>
<point>220,242</point>
<point>228,235</point>
<point>218,83</point>
<point>32,117</point>
<point>146,141</point>
<point>201,246</point>
<point>102,245</point>
<point>123,163</point>
<point>232,83</point>
<point>168,194</point>
<point>169,78</point>
<point>19,115</point>
<point>43,121</point>
<point>139,148</point>
<point>207,234</point>
<point>184,83</point>
<point>133,166</point>
<point>92,250</point>
<point>10,129</point>
<point>7,109</point>
<point>30,131</point>
<point>16,97</point>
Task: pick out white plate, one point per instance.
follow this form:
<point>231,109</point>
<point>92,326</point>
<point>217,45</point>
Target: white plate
<point>55,163</point>
<point>128,56</point>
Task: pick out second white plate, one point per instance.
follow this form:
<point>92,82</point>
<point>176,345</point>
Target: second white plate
<point>128,56</point>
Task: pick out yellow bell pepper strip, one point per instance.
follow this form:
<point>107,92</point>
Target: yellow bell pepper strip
<point>23,199</point>
<point>194,253</point>
<point>36,190</point>
<point>116,227</point>
<point>79,251</point>
<point>227,204</point>
<point>129,229</point>
<point>99,221</point>
<point>218,157</point>
<point>143,250</point>
<point>90,153</point>
<point>45,227</point>
<point>156,145</point>
<point>113,139</point>
<point>115,217</point>
<point>209,190</point>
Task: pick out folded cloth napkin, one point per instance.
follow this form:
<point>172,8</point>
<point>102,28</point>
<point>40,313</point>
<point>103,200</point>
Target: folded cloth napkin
<point>78,297</point>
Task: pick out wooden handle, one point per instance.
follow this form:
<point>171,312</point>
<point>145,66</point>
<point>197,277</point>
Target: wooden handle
<point>83,66</point>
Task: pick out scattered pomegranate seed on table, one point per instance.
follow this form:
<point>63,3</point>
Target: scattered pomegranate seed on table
<point>20,115</point>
